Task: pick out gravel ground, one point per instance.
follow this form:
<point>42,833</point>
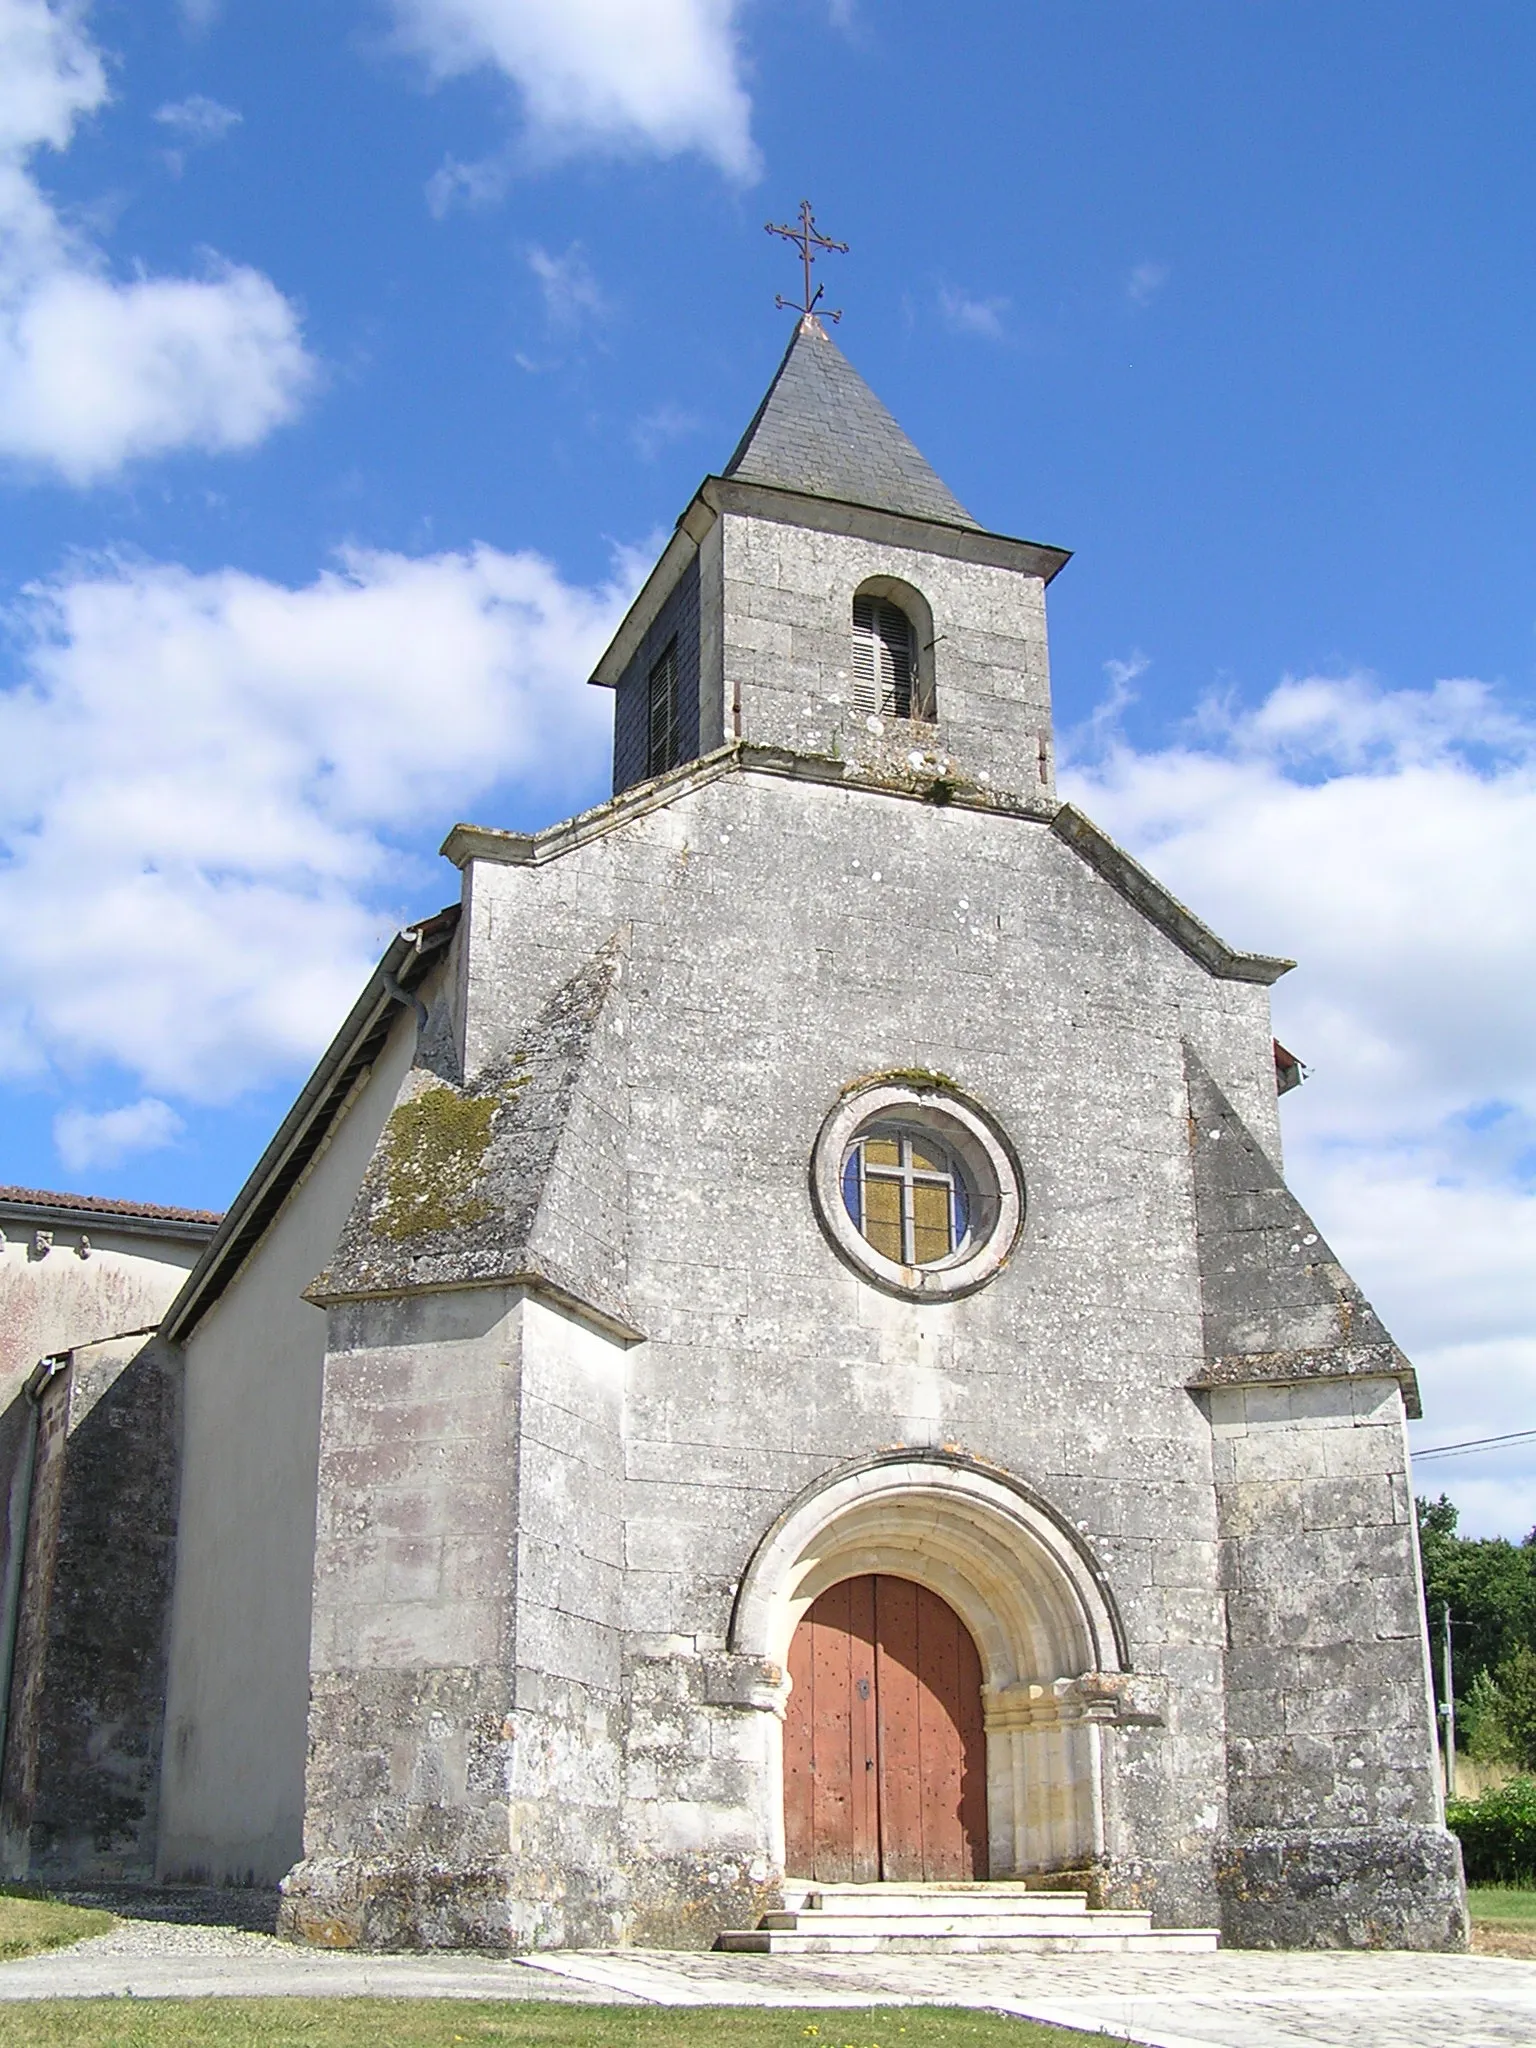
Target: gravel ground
<point>170,1959</point>
<point>253,1907</point>
<point>1231,1999</point>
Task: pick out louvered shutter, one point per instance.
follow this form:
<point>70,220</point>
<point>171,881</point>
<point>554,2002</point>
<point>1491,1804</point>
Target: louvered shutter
<point>661,740</point>
<point>883,658</point>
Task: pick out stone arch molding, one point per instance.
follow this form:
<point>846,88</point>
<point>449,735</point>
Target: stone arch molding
<point>1052,1644</point>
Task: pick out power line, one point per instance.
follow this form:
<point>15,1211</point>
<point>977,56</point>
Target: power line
<point>1477,1443</point>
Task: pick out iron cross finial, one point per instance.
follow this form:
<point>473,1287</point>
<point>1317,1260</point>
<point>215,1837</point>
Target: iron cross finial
<point>806,238</point>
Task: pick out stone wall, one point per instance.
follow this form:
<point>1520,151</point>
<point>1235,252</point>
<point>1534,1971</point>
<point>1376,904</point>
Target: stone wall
<point>595,1758</point>
<point>80,1793</point>
<point>780,940</point>
<point>467,1672</point>
<point>1333,1786</point>
<point>64,1284</point>
<point>238,1697</point>
<point>678,619</point>
<point>786,632</point>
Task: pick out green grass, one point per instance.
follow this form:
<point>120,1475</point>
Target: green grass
<point>450,2023</point>
<point>30,1925</point>
<point>1502,1905</point>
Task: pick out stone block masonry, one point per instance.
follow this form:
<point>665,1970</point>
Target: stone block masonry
<point>535,1518</point>
<point>80,1793</point>
<point>567,1300</point>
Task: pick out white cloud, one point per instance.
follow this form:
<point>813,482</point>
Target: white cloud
<point>1385,839</point>
<point>50,76</point>
<point>571,293</point>
<point>1103,723</point>
<point>84,1139</point>
<point>93,371</point>
<point>198,118</point>
<point>661,76</point>
<point>963,314</point>
<point>480,183</point>
<point>1145,282</point>
<point>206,781</point>
<point>663,424</point>
<point>1121,675</point>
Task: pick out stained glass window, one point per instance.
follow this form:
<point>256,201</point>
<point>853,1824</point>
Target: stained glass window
<point>906,1194</point>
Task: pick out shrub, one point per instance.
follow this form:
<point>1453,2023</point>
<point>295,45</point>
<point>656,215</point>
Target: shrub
<point>1484,1716</point>
<point>1497,1833</point>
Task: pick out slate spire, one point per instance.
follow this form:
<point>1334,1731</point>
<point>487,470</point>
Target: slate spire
<point>821,430</point>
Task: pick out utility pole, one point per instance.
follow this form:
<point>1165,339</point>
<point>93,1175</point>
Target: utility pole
<point>1448,1705</point>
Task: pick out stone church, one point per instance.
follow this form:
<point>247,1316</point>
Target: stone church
<point>772,1354</point>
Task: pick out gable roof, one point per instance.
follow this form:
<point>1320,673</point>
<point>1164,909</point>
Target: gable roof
<point>822,431</point>
<point>407,961</point>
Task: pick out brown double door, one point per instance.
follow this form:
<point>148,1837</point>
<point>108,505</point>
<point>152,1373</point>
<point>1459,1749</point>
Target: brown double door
<point>884,1751</point>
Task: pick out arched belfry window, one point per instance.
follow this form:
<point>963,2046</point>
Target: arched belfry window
<point>891,657</point>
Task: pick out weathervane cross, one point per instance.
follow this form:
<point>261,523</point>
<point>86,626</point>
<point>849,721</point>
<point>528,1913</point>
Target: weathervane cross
<point>806,238</point>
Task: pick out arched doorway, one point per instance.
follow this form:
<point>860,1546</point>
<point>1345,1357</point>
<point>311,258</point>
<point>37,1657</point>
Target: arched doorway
<point>1032,1600</point>
<point>885,1767</point>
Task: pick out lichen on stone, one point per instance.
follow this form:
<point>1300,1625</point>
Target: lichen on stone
<point>434,1148</point>
<point>923,1078</point>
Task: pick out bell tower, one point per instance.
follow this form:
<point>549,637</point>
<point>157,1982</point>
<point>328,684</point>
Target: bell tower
<point>828,595</point>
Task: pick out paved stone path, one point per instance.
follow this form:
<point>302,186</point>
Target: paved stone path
<point>1232,1999</point>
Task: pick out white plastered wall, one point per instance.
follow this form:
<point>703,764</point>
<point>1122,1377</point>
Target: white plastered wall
<point>238,1694</point>
<point>52,1300</point>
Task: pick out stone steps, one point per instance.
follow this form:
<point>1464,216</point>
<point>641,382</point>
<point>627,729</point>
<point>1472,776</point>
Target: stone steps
<point>903,1901</point>
<point>961,1919</point>
<point>930,1924</point>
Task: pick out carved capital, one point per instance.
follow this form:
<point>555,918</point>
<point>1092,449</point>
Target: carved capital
<point>1125,1699</point>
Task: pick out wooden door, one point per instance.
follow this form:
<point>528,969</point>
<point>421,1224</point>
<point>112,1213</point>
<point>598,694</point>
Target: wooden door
<point>884,1750</point>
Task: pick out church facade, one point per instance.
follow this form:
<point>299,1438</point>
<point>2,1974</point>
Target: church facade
<point>775,1344</point>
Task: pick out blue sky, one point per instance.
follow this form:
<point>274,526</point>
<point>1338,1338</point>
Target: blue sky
<point>353,358</point>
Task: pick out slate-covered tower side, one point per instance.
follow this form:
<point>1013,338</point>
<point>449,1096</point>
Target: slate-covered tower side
<point>611,1394</point>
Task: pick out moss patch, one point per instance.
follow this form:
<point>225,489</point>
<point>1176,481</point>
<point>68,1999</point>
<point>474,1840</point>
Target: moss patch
<point>434,1149</point>
<point>905,1077</point>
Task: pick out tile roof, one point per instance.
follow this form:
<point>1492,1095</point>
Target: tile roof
<point>821,430</point>
<point>103,1205</point>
